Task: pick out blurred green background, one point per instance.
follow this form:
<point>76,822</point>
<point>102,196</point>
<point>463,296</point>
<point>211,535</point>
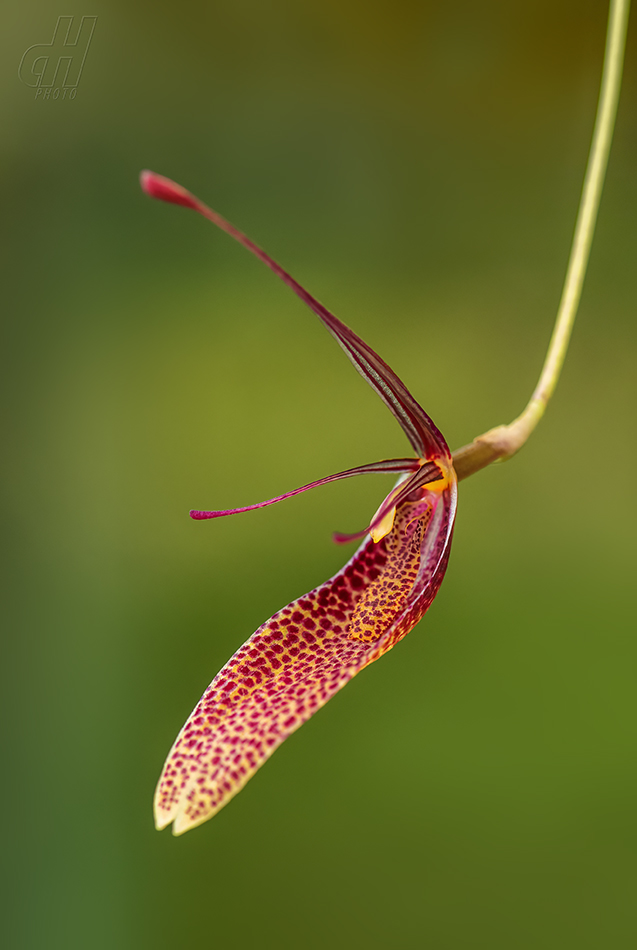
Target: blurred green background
<point>417,166</point>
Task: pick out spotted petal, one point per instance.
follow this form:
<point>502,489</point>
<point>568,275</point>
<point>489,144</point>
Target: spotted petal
<point>302,656</point>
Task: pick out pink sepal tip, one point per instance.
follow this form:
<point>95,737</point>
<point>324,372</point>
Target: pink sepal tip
<point>157,186</point>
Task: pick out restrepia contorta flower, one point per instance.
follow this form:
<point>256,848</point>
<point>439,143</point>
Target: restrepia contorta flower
<point>299,658</point>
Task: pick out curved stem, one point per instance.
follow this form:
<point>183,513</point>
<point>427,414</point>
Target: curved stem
<point>504,441</point>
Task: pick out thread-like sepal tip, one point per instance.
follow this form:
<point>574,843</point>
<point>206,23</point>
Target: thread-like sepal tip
<point>157,186</point>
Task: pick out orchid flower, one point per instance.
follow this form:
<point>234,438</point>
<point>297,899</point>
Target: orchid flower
<point>306,652</point>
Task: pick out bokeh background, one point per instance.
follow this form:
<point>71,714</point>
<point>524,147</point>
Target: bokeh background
<point>418,166</point>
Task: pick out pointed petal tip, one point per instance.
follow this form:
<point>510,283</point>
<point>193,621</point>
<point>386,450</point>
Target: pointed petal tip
<point>179,828</point>
<point>162,822</point>
<point>183,822</point>
<point>163,815</point>
<point>181,825</point>
<point>164,189</point>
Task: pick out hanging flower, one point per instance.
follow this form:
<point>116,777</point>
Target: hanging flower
<point>305,653</point>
